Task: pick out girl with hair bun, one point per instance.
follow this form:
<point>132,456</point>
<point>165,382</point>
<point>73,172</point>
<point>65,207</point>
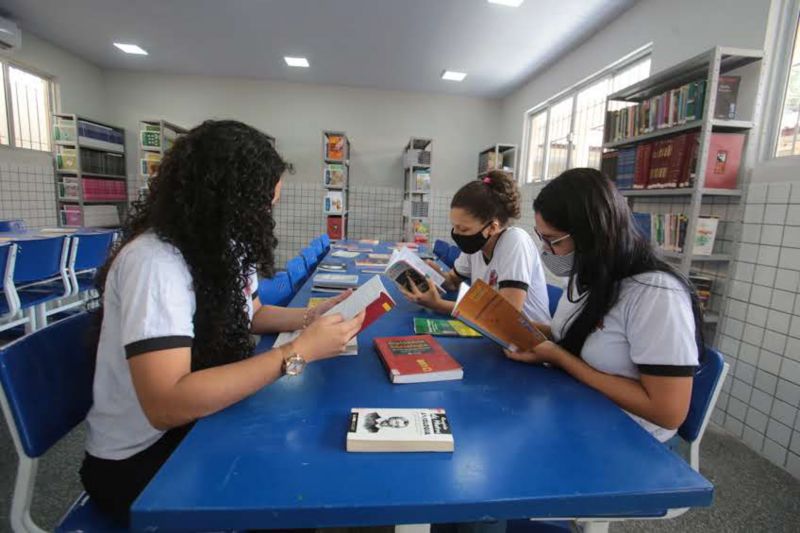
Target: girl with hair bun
<point>492,249</point>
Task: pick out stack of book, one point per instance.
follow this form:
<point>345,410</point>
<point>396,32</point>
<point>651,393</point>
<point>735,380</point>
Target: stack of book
<point>702,284</point>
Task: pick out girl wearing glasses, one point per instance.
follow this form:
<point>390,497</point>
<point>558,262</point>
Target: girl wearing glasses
<point>629,324</point>
<point>492,249</point>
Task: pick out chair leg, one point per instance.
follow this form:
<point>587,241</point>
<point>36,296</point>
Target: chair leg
<point>41,316</point>
<point>594,527</point>
<point>21,521</point>
<point>30,324</point>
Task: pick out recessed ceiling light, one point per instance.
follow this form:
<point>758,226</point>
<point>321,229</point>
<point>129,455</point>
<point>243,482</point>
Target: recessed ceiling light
<point>131,49</point>
<point>509,3</point>
<point>451,75</point>
<point>296,61</point>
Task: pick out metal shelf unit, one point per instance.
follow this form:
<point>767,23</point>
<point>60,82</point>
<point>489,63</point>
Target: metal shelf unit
<point>501,156</point>
<point>417,170</point>
<point>336,179</point>
<point>156,136</point>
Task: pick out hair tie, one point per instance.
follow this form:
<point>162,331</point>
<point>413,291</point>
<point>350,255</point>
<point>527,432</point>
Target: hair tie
<point>487,180</point>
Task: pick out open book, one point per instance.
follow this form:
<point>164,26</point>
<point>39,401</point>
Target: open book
<point>485,310</point>
<point>405,265</point>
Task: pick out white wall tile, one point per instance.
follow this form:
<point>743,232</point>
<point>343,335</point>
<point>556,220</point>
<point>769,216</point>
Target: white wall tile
<point>790,258</point>
<point>754,213</point>
<point>738,310</point>
<point>744,272</point>
<point>757,194</point>
<point>778,193</point>
<point>792,216</point>
<point>761,401</point>
<point>791,236</point>
<point>748,252</point>
<point>741,390</point>
<point>775,214</point>
<point>753,334</point>
<point>794,197</point>
<point>751,233</point>
<point>756,420</point>
<point>753,438</point>
<point>772,234</point>
<point>740,290</point>
<point>787,280</point>
<point>766,382</point>
<point>749,353</point>
<point>782,300</point>
<point>792,350</point>
<point>734,427</point>
<point>762,275</point>
<point>794,329</point>
<point>768,255</point>
<point>790,370</point>
<point>774,342</point>
<point>756,315</point>
<point>746,373</point>
<point>779,433</point>
<point>769,362</point>
<point>774,452</point>
<point>734,328</point>
<point>788,392</point>
<point>784,412</point>
<point>793,465</point>
<point>778,321</point>
<point>737,408</point>
<point>760,295</point>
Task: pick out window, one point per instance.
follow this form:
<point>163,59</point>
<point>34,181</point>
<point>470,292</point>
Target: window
<point>567,130</point>
<point>788,141</point>
<point>24,108</point>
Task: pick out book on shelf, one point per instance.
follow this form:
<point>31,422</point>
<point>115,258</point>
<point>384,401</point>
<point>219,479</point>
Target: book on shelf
<point>724,159</point>
<point>406,267</point>
<point>150,138</point>
<point>608,165</point>
<point>399,430</point>
<point>668,231</point>
<point>422,231</point>
<point>702,286</point>
<point>334,202</point>
<point>626,166</point>
<point>705,233</point>
<point>64,130</point>
<point>334,282</point>
<point>642,165</point>
<point>334,147</point>
<point>442,327</point>
<point>334,175</point>
<point>416,359</point>
<point>422,180</point>
<point>487,311</point>
<point>335,226</point>
<point>332,266</point>
<point>727,94</point>
<point>67,158</point>
<point>149,164</point>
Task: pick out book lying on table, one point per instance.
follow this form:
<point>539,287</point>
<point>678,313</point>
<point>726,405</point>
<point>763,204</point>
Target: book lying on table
<point>331,266</point>
<point>443,327</point>
<point>399,430</point>
<point>385,257</point>
<point>371,262</point>
<point>369,241</point>
<point>371,297</point>
<point>416,359</point>
<point>334,282</point>
<point>345,254</point>
<point>485,310</point>
<point>405,266</point>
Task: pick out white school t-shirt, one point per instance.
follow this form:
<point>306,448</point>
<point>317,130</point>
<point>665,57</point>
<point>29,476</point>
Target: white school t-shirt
<point>148,305</point>
<point>650,330</point>
<point>515,263</point>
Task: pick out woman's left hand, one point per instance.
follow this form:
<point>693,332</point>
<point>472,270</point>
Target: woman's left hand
<point>324,307</point>
<point>430,298</point>
<point>545,352</point>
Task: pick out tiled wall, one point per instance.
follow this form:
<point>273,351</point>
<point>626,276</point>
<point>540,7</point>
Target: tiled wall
<point>760,330</point>
<point>27,191</point>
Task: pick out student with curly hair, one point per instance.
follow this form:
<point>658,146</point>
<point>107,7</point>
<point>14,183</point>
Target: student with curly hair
<point>492,249</point>
<point>179,304</point>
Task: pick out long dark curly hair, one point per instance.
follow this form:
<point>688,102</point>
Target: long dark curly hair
<point>212,199</point>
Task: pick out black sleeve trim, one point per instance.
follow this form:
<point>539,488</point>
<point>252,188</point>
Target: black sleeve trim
<point>667,370</point>
<point>157,343</point>
<point>460,275</point>
<point>254,296</point>
<point>511,284</point>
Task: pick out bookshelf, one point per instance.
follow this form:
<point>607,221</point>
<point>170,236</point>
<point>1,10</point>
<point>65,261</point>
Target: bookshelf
<point>500,156</point>
<point>417,169</point>
<point>661,110</point>
<point>155,138</point>
<point>336,182</point>
<point>90,179</point>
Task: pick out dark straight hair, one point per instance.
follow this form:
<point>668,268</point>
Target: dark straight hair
<point>608,248</point>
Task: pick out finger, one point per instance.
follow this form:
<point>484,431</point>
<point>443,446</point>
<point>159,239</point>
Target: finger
<point>408,295</point>
<point>414,288</point>
<point>335,318</point>
<point>342,296</point>
<point>354,326</point>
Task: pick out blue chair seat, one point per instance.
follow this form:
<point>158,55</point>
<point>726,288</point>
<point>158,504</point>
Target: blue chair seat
<point>276,290</point>
<point>32,297</point>
<point>84,516</point>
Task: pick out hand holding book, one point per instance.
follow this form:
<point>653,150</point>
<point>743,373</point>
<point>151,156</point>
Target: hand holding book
<point>326,336</point>
<point>429,298</point>
<point>317,311</point>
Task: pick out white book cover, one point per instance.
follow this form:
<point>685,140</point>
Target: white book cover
<point>360,299</point>
<point>344,254</point>
<point>335,280</point>
<point>288,336</point>
<point>405,264</point>
<point>399,430</point>
<point>704,235</point>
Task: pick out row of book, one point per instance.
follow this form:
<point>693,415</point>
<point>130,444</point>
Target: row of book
<point>65,130</point>
<point>702,286</point>
<point>671,108</point>
<point>672,162</point>
<point>94,189</point>
<point>93,215</point>
<point>668,231</point>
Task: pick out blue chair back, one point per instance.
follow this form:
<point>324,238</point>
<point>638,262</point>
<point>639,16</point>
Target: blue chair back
<point>318,247</point>
<point>12,225</point>
<point>705,387</point>
<point>310,257</point>
<point>5,251</point>
<point>296,269</point>
<point>92,250</point>
<point>47,379</point>
<point>553,296</point>
<point>326,241</point>
<point>452,255</point>
<point>276,290</point>
<point>38,259</point>
<point>440,249</point>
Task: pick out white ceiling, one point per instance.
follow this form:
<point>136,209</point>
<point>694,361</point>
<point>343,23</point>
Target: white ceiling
<point>387,44</point>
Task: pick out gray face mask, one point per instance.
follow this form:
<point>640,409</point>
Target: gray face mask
<point>559,265</point>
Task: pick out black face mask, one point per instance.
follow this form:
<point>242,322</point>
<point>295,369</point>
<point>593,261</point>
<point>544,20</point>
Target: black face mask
<point>469,244</point>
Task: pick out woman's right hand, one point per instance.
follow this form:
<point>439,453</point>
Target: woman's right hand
<point>327,336</point>
<point>434,265</point>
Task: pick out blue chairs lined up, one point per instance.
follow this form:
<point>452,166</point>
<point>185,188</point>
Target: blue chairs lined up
<point>281,288</point>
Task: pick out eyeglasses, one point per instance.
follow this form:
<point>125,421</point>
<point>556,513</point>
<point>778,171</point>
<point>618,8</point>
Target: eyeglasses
<point>550,242</point>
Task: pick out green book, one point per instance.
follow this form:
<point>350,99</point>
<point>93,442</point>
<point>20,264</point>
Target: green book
<point>443,327</point>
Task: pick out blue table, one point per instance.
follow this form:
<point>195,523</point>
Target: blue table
<point>530,442</point>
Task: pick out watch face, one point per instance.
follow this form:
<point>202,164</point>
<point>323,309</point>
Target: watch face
<point>295,365</point>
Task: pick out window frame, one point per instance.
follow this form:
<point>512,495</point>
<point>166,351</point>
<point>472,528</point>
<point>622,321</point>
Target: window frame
<point>784,27</point>
<point>572,91</point>
<point>51,94</point>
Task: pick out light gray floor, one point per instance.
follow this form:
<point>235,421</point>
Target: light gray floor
<point>752,495</point>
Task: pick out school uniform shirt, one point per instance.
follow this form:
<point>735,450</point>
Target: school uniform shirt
<point>515,263</point>
<point>650,330</point>
<point>148,305</point>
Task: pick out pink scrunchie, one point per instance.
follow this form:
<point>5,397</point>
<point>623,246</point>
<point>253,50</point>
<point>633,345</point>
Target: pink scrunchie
<point>487,180</point>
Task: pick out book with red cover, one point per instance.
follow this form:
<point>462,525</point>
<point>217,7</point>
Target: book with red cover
<point>690,161</point>
<point>642,172</point>
<point>659,164</point>
<point>724,157</point>
<point>680,151</point>
<point>416,359</point>
<point>371,297</point>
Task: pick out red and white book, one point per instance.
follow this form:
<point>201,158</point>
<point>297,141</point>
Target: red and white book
<point>417,359</point>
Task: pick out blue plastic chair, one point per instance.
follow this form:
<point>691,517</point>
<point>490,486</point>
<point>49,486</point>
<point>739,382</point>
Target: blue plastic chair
<point>318,247</point>
<point>554,293</point>
<point>14,225</point>
<point>9,301</point>
<point>452,255</point>
<point>326,242</point>
<point>276,290</point>
<point>92,250</point>
<point>296,269</point>
<point>46,380</point>
<point>441,249</point>
<point>310,257</point>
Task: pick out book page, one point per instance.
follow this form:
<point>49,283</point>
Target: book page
<point>360,299</point>
<point>402,261</point>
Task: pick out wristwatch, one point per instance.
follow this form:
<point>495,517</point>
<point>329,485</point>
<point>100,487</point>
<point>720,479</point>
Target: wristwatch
<point>293,364</point>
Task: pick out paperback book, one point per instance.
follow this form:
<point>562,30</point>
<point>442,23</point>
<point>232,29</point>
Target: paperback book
<point>399,430</point>
<point>442,327</point>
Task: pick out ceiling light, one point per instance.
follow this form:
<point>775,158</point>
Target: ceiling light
<point>509,3</point>
<point>451,75</point>
<point>296,61</point>
<point>131,49</point>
